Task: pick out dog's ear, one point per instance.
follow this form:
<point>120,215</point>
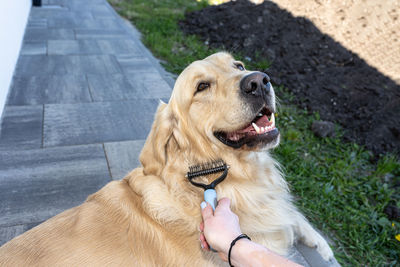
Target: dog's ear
<point>160,142</point>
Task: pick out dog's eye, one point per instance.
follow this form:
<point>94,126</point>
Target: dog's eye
<point>239,66</point>
<point>202,87</point>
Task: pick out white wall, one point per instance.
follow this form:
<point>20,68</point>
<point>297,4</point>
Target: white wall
<point>13,18</point>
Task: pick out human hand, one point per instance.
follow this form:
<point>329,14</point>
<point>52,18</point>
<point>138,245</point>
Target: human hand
<point>219,228</point>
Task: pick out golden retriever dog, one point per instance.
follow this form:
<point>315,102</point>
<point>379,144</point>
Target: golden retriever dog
<point>217,110</point>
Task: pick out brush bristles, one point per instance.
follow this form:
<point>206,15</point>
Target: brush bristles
<point>206,168</point>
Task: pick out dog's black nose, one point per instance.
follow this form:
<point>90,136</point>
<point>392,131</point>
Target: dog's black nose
<point>256,83</point>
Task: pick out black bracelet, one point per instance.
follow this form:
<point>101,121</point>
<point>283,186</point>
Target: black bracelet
<point>233,243</point>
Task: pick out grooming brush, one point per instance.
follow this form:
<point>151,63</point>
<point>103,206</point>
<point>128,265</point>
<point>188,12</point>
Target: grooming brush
<point>210,195</point>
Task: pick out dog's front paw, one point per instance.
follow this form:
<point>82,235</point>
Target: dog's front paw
<point>317,241</point>
<point>325,251</point>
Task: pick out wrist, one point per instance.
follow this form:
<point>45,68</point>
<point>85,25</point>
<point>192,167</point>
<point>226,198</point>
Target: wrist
<point>240,252</point>
<point>237,244</point>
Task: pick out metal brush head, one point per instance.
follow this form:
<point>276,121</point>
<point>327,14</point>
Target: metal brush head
<point>206,169</point>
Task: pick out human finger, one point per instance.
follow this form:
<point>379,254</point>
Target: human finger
<point>224,204</point>
<point>206,210</point>
<point>203,242</point>
<point>201,227</point>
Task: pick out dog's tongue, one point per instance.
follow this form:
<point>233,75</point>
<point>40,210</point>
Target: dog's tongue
<point>261,122</point>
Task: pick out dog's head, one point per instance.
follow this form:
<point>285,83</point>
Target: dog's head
<point>217,106</point>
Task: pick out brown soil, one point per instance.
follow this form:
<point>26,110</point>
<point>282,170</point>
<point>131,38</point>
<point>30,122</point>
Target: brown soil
<point>322,74</point>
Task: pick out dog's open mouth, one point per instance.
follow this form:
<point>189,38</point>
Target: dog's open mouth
<point>260,129</point>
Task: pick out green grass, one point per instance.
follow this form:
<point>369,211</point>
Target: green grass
<point>335,184</point>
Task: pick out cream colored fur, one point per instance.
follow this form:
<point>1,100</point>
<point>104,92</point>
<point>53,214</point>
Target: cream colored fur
<point>151,217</point>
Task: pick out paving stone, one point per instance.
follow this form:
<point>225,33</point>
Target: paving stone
<point>132,31</point>
<point>313,258</point>
<point>102,11</point>
<point>21,127</point>
<point>34,35</point>
<point>99,122</point>
<point>154,84</point>
<point>54,11</point>
<point>296,256</point>
<point>100,34</point>
<point>83,13</point>
<point>68,47</point>
<point>37,23</point>
<point>77,4</point>
<point>52,3</point>
<point>102,23</point>
<point>123,157</point>
<point>48,11</point>
<point>73,21</point>
<point>113,87</point>
<point>71,64</point>
<point>134,64</point>
<point>120,47</point>
<point>9,232</point>
<point>120,87</point>
<point>34,48</point>
<point>49,89</point>
<point>68,20</point>
<point>38,184</point>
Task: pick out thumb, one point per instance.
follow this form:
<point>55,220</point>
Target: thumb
<point>224,204</point>
<point>206,210</point>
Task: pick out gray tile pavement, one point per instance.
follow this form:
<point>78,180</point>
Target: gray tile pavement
<point>43,89</point>
<point>135,64</point>
<point>313,258</point>
<point>113,87</point>
<point>124,87</point>
<point>61,65</point>
<point>296,256</point>
<point>92,46</point>
<point>38,23</point>
<point>21,127</point>
<point>37,35</point>
<point>34,48</point>
<point>38,184</point>
<point>99,34</point>
<point>74,124</point>
<point>151,82</point>
<point>9,232</point>
<point>78,22</point>
<point>123,157</point>
<point>82,101</point>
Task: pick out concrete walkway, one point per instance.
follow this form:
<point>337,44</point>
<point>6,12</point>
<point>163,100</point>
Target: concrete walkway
<point>81,104</point>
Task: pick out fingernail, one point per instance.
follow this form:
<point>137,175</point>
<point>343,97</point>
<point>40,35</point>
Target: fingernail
<point>203,205</point>
<point>201,244</point>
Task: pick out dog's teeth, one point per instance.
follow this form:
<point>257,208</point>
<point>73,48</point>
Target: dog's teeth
<point>272,119</point>
<point>256,127</point>
<point>262,130</point>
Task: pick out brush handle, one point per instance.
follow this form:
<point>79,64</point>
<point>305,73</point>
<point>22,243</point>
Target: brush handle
<point>210,196</point>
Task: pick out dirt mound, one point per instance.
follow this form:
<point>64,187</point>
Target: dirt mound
<point>322,74</point>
